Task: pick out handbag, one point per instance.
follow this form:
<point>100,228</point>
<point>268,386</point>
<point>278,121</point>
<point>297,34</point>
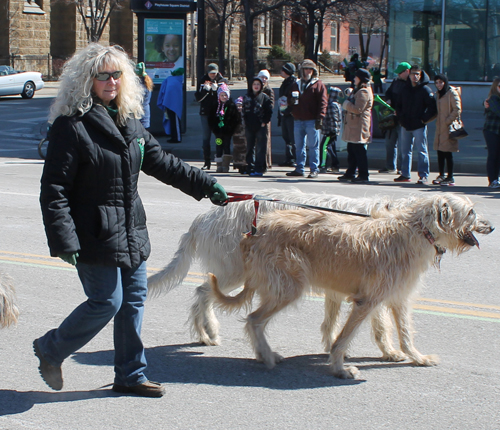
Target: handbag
<point>457,130</point>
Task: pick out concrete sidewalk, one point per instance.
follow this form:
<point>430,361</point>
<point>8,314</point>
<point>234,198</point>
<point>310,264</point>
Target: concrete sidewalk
<point>470,159</point>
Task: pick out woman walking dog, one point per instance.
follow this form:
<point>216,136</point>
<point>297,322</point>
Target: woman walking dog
<point>93,216</point>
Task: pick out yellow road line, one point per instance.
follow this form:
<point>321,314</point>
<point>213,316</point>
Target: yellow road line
<point>457,311</point>
<point>451,302</point>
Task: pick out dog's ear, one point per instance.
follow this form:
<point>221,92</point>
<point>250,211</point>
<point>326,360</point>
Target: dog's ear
<point>444,214</point>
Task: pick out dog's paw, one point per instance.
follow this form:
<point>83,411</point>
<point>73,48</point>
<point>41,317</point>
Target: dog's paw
<point>426,360</point>
<point>350,372</point>
<point>394,356</point>
<point>278,358</point>
<point>205,340</point>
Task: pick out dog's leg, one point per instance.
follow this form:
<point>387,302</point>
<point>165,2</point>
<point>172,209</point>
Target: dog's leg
<point>361,308</point>
<point>204,323</point>
<point>403,319</point>
<point>330,325</point>
<point>382,332</point>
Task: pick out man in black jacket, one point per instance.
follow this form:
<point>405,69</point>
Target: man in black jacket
<point>393,94</point>
<point>206,96</point>
<point>285,116</point>
<point>416,107</point>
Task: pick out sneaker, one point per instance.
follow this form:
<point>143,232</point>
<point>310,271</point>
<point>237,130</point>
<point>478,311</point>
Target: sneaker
<point>147,389</point>
<point>52,375</point>
<point>323,170</point>
<point>345,178</point>
<point>494,184</point>
<point>294,173</point>
<point>359,180</point>
<point>423,180</point>
<point>438,180</point>
<point>402,179</point>
<point>333,169</point>
<point>256,174</point>
<point>313,175</point>
<point>386,170</point>
<point>449,182</point>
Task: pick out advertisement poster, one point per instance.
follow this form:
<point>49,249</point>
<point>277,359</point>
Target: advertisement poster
<point>163,48</point>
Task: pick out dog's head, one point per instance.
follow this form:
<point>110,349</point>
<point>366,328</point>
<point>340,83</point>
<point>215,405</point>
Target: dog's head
<point>453,220</point>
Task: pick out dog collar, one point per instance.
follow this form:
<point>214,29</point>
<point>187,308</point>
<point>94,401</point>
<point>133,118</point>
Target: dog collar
<point>439,250</point>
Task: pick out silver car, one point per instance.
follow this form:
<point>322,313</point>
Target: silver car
<point>13,82</point>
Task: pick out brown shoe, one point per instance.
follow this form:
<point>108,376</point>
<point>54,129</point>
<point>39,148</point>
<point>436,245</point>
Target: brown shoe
<point>148,389</point>
<point>52,375</point>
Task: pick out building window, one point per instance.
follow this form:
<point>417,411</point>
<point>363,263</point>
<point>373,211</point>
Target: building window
<point>33,6</point>
<point>334,28</point>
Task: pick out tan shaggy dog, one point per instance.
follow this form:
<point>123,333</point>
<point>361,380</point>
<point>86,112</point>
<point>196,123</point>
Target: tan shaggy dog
<point>214,240</point>
<point>8,309</point>
<point>368,260</point>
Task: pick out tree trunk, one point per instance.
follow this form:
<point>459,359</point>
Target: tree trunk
<point>361,42</point>
<point>221,50</point>
<point>249,55</point>
<point>309,52</point>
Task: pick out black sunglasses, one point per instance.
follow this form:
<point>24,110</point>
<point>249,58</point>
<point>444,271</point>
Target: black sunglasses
<point>104,76</point>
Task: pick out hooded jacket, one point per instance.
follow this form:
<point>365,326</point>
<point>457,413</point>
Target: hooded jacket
<point>417,105</point>
<point>284,90</point>
<point>230,122</point>
<point>257,109</point>
<point>313,99</point>
<point>89,198</point>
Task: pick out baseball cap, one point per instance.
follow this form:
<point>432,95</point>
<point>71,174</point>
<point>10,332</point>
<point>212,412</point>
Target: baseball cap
<point>402,67</point>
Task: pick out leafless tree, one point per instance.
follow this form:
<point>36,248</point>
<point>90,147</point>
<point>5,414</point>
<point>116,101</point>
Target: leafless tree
<point>224,12</point>
<point>95,15</point>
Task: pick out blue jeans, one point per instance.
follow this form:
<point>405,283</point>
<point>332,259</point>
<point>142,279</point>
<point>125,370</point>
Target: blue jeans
<point>393,153</point>
<point>112,292</point>
<point>418,138</point>
<point>306,134</point>
<point>205,137</point>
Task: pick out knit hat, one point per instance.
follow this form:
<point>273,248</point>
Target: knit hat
<point>288,68</point>
<point>223,88</point>
<point>402,67</point>
<point>264,73</point>
<point>363,75</point>
<point>212,67</point>
<point>140,69</point>
<point>239,100</point>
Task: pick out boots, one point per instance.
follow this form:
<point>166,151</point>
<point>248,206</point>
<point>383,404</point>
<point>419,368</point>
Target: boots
<point>207,165</point>
<point>226,160</point>
<point>218,160</point>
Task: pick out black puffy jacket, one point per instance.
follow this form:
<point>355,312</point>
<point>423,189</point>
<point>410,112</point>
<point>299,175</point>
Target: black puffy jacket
<point>417,105</point>
<point>89,198</point>
<point>205,98</point>
<point>231,121</point>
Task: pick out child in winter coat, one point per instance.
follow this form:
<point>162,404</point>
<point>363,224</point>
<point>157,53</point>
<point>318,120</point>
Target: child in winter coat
<point>257,111</point>
<point>330,130</point>
<point>223,119</point>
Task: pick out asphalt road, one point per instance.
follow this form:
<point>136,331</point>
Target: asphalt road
<point>456,315</point>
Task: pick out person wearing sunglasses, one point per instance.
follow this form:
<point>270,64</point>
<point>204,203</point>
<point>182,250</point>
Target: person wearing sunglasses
<point>93,216</point>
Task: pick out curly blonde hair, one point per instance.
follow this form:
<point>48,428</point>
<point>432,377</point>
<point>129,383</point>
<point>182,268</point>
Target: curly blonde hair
<point>75,95</point>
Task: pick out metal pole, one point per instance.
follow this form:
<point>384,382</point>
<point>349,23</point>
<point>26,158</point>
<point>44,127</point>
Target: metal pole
<point>443,22</point>
<point>200,63</point>
<point>193,54</point>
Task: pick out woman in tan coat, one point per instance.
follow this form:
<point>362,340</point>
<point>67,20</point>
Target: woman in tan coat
<point>357,128</point>
<point>449,107</point>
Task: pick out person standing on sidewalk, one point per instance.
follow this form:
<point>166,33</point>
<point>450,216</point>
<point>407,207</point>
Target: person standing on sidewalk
<point>206,96</point>
<point>491,133</point>
<point>93,216</point>
<point>393,136</point>
<point>330,131</point>
<point>265,76</point>
<point>285,118</point>
<point>308,99</point>
<point>357,128</point>
<point>449,107</point>
<point>416,108</point>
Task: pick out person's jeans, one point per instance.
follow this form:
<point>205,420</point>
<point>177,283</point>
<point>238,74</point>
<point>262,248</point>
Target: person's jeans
<point>112,292</point>
<point>205,136</point>
<point>287,134</point>
<point>418,138</point>
<point>393,153</point>
<point>256,149</point>
<point>493,158</point>
<point>306,134</point>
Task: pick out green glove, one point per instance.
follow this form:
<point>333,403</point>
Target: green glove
<point>69,257</point>
<point>217,194</point>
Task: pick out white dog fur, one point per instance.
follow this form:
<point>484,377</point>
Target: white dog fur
<point>8,308</point>
<point>368,260</point>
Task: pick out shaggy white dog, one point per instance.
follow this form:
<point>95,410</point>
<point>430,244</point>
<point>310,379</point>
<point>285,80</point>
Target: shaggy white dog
<point>369,260</point>
<point>8,308</point>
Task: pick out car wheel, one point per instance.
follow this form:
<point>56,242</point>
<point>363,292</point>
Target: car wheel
<point>28,90</point>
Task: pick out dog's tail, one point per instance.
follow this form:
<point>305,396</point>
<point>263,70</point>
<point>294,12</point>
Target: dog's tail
<point>229,303</point>
<point>8,309</point>
<point>172,275</point>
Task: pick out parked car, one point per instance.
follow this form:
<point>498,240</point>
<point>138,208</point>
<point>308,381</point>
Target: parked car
<point>13,82</point>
